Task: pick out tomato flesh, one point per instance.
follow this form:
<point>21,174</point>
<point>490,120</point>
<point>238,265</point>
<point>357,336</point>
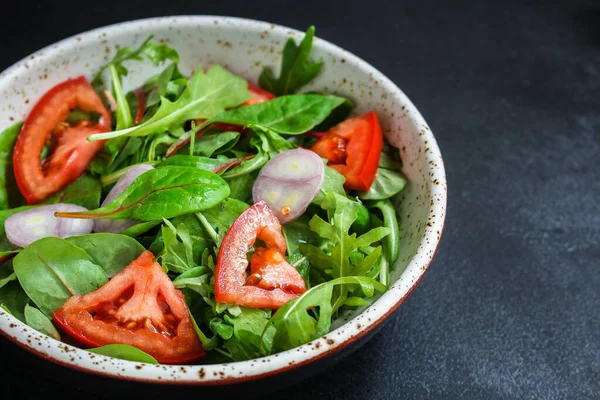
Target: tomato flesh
<point>272,281</point>
<point>353,148</point>
<point>139,306</point>
<point>71,151</point>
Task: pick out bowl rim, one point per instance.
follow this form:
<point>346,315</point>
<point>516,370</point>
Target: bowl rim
<point>213,374</point>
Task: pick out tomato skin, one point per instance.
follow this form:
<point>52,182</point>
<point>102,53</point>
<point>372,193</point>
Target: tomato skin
<point>141,99</point>
<point>273,282</point>
<point>258,95</point>
<point>353,148</point>
<point>139,306</point>
<point>72,152</point>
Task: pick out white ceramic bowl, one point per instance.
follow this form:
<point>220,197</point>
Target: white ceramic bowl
<point>245,46</point>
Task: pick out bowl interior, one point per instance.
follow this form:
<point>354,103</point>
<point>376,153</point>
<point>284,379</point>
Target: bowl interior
<point>244,47</point>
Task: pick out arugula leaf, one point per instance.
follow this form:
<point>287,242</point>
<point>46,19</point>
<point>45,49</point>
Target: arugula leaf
<point>112,252</point>
<point>85,192</point>
<point>296,71</point>
<point>170,83</point>
<point>164,192</point>
<point>124,352</point>
<point>222,216</point>
<point>391,243</point>
<point>206,96</point>
<point>51,270</point>
<point>387,184</point>
<point>296,322</point>
<point>248,329</point>
<point>10,196</point>
<point>38,321</point>
<point>177,254</point>
<point>154,52</point>
<point>336,260</point>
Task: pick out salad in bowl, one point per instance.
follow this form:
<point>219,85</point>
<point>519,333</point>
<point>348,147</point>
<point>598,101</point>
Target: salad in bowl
<point>198,218</point>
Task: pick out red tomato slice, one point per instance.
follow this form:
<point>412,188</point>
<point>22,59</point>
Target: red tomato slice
<point>353,148</point>
<point>140,307</point>
<point>258,95</point>
<point>141,99</point>
<point>71,151</point>
<point>272,282</point>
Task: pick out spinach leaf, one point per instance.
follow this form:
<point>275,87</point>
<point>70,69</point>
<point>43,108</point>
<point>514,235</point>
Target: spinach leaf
<point>51,270</point>
<point>241,186</point>
<point>111,251</point>
<point>248,329</point>
<point>9,192</point>
<point>207,145</point>
<point>206,96</point>
<point>4,214</point>
<point>164,192</point>
<point>138,229</point>
<point>154,52</point>
<point>85,192</point>
<point>124,352</point>
<point>333,181</point>
<point>292,114</point>
<point>387,183</point>
<point>7,274</point>
<point>222,216</point>
<point>296,322</point>
<point>38,321</point>
<point>391,243</point>
<point>198,280</point>
<point>13,299</point>
<point>300,262</point>
<point>298,232</point>
<point>296,71</point>
<point>215,165</point>
<point>339,114</point>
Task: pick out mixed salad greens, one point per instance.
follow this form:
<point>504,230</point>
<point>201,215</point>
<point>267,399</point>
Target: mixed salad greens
<point>194,219</point>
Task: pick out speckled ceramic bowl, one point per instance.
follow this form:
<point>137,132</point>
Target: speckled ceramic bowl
<point>245,46</point>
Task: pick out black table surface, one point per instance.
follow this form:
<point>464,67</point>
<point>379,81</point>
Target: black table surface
<point>510,309</point>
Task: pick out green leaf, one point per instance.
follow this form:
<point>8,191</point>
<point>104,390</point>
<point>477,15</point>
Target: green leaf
<point>292,114</point>
<point>170,83</point>
<point>300,262</point>
<point>38,321</point>
<point>51,270</point>
<point>336,260</point>
<point>85,192</point>
<point>223,215</point>
<point>177,254</point>
<point>241,186</point>
<point>295,322</point>
<point>339,114</point>
<point>154,52</point>
<point>123,112</point>
<point>207,145</point>
<point>333,181</point>
<point>391,243</point>
<point>13,298</point>
<point>164,192</point>
<point>248,328</point>
<point>111,251</point>
<point>297,233</point>
<point>10,196</point>
<point>206,96</point>
<point>387,183</point>
<point>296,71</point>
<point>124,352</point>
<point>197,236</point>
<point>139,229</point>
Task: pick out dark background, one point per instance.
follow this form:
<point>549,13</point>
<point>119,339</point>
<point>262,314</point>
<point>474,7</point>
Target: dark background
<point>510,309</point>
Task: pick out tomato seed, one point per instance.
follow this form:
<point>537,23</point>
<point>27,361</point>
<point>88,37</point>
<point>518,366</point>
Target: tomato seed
<point>131,325</point>
<point>285,211</point>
